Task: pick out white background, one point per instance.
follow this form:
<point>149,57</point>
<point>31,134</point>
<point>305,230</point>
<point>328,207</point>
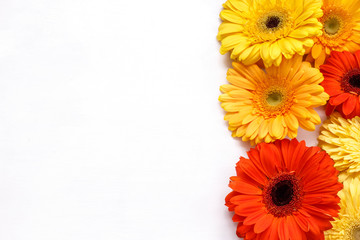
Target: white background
<point>110,127</point>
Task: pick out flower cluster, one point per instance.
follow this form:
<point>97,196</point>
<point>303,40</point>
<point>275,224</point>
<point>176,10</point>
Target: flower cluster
<point>290,57</point>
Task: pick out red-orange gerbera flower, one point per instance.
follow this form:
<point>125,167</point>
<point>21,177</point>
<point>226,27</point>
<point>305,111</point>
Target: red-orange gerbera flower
<point>342,82</point>
<point>284,191</point>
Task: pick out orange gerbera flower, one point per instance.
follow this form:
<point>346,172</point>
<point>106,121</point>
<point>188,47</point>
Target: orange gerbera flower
<point>341,30</point>
<point>284,191</point>
<point>342,82</point>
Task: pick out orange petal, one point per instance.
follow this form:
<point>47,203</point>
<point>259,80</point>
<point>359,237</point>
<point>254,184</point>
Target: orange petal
<point>263,223</point>
<point>252,171</point>
<point>270,157</point>
<point>316,50</point>
<point>294,230</point>
<point>339,99</point>
<point>245,188</point>
<point>254,217</point>
<point>327,68</point>
<point>283,229</point>
<point>274,230</point>
<point>248,207</point>
<point>349,105</point>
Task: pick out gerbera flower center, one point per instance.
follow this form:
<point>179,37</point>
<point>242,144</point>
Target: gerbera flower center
<point>356,233</point>
<point>350,82</point>
<point>272,22</point>
<point>332,25</point>
<point>354,80</point>
<point>283,194</point>
<point>274,98</point>
<point>337,26</point>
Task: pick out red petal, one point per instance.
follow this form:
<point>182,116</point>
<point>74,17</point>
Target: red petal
<point>329,109</point>
<point>339,59</point>
<point>327,68</point>
<point>239,199</point>
<point>335,60</point>
<point>230,205</point>
<point>243,229</point>
<point>252,171</point>
<point>339,99</point>
<point>332,89</point>
<point>302,222</point>
<point>263,223</point>
<point>248,208</point>
<point>295,232</point>
<point>284,147</point>
<point>270,157</point>
<point>245,188</point>
<point>283,229</point>
<point>349,105</point>
<point>254,217</point>
<point>297,155</point>
<point>274,230</point>
<point>357,57</point>
<point>349,60</point>
<point>238,218</point>
<point>309,153</point>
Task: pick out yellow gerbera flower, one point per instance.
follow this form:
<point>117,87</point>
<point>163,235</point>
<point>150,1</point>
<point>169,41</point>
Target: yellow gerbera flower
<point>347,225</point>
<point>341,29</point>
<point>268,106</point>
<point>268,29</point>
<point>340,138</point>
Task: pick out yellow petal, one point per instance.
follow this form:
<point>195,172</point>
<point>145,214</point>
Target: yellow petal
<point>277,127</point>
<point>241,83</point>
<point>239,132</point>
<point>292,134</point>
<point>254,56</point>
<point>291,121</point>
<point>231,41</point>
<point>286,46</point>
<point>275,51</point>
<point>228,87</point>
<point>253,127</point>
<point>249,118</point>
<point>231,16</point>
<point>241,93</point>
<point>264,129</point>
<point>300,112</point>
<point>306,124</point>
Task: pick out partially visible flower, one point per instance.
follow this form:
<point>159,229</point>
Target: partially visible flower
<point>342,82</point>
<point>341,29</point>
<point>347,225</point>
<point>269,106</point>
<point>285,190</point>
<point>268,30</point>
<point>340,138</point>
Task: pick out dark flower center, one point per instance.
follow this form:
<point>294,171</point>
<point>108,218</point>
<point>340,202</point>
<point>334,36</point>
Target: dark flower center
<point>354,80</point>
<point>272,22</point>
<point>282,193</point>
<point>350,82</point>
